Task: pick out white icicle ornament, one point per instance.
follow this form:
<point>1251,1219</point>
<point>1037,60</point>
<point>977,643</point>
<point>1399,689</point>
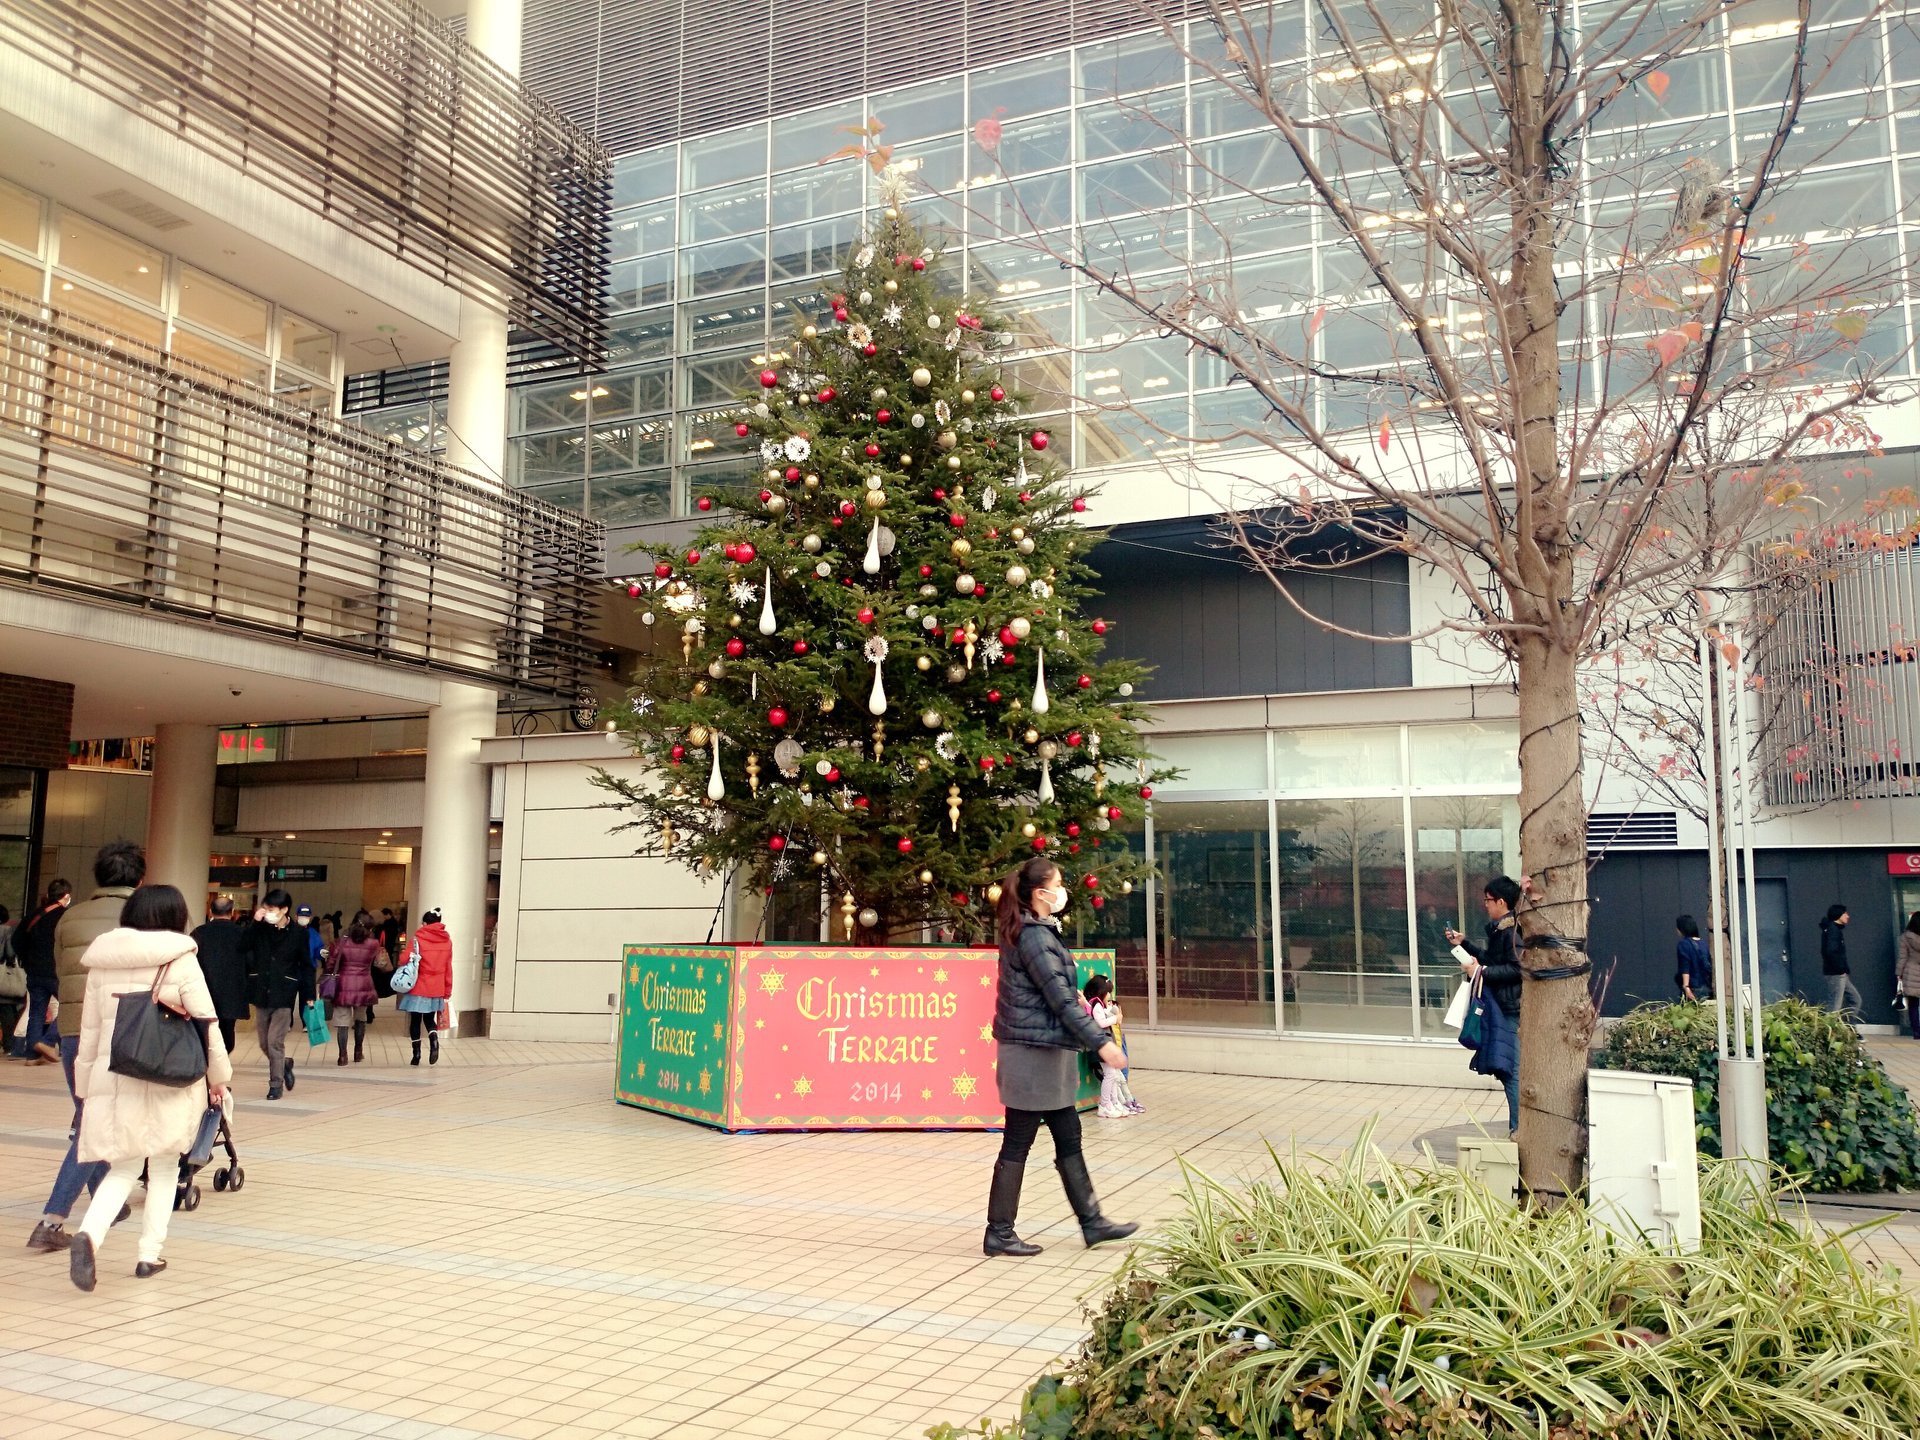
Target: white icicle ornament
<point>877,701</point>
<point>1040,702</point>
<point>872,563</point>
<point>767,623</point>
<point>1046,779</point>
<point>716,787</point>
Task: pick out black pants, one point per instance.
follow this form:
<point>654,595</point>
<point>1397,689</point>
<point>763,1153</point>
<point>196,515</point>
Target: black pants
<point>1913,1015</point>
<point>1023,1125</point>
<point>415,1021</point>
<point>226,1033</point>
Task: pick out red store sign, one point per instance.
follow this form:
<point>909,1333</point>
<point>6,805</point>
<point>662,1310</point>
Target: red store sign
<point>1904,862</point>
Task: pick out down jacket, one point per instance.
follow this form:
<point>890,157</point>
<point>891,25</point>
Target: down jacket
<point>127,1118</point>
<point>85,922</point>
<point>1500,964</point>
<point>1909,967</point>
<point>1038,1002</point>
<point>352,962</point>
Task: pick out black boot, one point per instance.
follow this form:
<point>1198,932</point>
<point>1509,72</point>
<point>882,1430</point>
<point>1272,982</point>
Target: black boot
<point>433,1048</point>
<point>1094,1227</point>
<point>359,1041</point>
<point>1003,1207</point>
<point>416,1054</point>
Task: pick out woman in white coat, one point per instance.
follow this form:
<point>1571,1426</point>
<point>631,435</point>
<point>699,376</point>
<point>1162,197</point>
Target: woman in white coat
<point>128,1122</point>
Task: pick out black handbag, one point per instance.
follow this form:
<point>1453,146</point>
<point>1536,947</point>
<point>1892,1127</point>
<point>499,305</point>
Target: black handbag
<point>156,1043</point>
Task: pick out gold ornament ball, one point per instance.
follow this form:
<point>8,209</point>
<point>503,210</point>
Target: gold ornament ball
<point>777,505</point>
<point>812,482</point>
<point>993,893</point>
<point>891,287</point>
<point>965,584</point>
<point>699,687</point>
<point>734,621</point>
<point>966,397</point>
<point>926,877</point>
<point>956,673</point>
<point>819,857</point>
<point>1029,830</point>
<point>930,719</point>
<point>1126,887</point>
<point>698,736</point>
<point>773,474</point>
<point>826,706</point>
<point>1021,626</point>
<point>925,662</point>
<point>1016,574</point>
<point>1049,750</point>
<point>961,548</point>
<point>876,499</point>
<point>1032,737</point>
<point>811,544</point>
<point>947,440</point>
<point>870,917</point>
<point>923,377</point>
<point>810,332</point>
<point>1024,545</point>
<point>879,392</point>
<point>1019,532</point>
<point>921,764</point>
<point>891,214</point>
<point>953,462</point>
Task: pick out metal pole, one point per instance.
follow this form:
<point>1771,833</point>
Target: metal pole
<point>1756,998</point>
<point>1716,894</point>
<point>1743,1084</point>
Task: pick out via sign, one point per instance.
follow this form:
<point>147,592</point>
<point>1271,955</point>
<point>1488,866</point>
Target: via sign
<point>1904,862</point>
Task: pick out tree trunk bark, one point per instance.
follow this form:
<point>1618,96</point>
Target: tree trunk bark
<point>1556,1013</point>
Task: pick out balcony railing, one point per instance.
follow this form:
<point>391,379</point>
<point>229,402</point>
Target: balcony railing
<point>128,475</point>
<point>1839,664</point>
<point>373,115</point>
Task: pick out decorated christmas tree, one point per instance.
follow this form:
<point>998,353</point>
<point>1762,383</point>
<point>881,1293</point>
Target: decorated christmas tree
<point>876,678</point>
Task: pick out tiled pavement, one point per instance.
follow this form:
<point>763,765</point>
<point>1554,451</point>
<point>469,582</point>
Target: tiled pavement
<point>493,1248</point>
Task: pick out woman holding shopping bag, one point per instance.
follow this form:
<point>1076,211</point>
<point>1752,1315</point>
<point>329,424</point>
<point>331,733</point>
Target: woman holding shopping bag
<point>425,984</point>
<point>130,1122</point>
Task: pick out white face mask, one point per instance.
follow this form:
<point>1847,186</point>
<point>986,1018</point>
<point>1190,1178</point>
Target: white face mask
<point>304,919</point>
<point>275,917</point>
<point>1056,899</point>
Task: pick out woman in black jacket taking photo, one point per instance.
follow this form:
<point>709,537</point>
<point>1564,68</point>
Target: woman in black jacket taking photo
<point>1041,1028</point>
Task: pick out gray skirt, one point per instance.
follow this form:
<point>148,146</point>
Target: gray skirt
<point>1038,1077</point>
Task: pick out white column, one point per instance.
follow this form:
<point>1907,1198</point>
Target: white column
<point>493,28</point>
<point>180,811</point>
<point>451,868</point>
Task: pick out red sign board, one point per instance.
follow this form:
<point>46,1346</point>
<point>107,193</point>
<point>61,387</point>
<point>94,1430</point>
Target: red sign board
<point>1904,862</point>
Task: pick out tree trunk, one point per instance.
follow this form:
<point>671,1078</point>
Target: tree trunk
<point>1556,1014</point>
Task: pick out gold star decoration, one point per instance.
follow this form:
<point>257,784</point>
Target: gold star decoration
<point>941,975</point>
<point>759,1024</point>
<point>874,973</point>
<point>772,982</point>
<point>926,1094</point>
<point>699,972</point>
<point>706,1082</point>
<point>986,1032</point>
<point>803,1086</point>
<point>639,1069</point>
<point>719,1029</point>
<point>633,974</point>
<point>986,980</point>
<point>964,1085</point>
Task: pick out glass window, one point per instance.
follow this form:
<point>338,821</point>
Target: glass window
<point>724,265</point>
<point>1041,382</point>
<point>812,135</point>
<point>1214,914</point>
<point>633,392</point>
<point>738,320</point>
<point>1459,843</point>
<point>1343,917</point>
<point>538,458</point>
<point>1025,87</point>
<point>1230,419</point>
<point>645,281</point>
<point>1145,430</point>
<point>112,260</point>
<point>1013,269</point>
<point>939,166</point>
<point>1362,758</point>
<point>814,248</point>
<point>554,404</point>
<point>1027,145</point>
<point>24,278</point>
<point>734,210</point>
<point>1481,754</point>
<point>627,446</point>
<point>1125,66</point>
<point>1019,207</point>
<point>647,176</point>
<point>917,111</point>
<point>1218,110</point>
<point>1120,358</point>
<point>1116,127</point>
<point>416,426</point>
<point>801,302</point>
<point>826,190</point>
<point>1235,760</point>
<point>1125,187</point>
<point>1121,924</point>
<point>224,309</point>
<point>567,494</point>
<point>234,364</point>
<point>717,380</point>
<point>1038,322</point>
<point>631,499</point>
<point>306,344</point>
<point>643,232</point>
<point>645,336</point>
<point>723,159</point>
<point>19,218</point>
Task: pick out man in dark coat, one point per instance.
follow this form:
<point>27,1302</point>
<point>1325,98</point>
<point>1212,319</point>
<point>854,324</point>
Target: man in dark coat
<point>280,975</point>
<point>224,947</point>
<point>1497,967</point>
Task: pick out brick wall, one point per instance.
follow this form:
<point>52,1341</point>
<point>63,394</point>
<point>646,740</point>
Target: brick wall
<point>36,717</point>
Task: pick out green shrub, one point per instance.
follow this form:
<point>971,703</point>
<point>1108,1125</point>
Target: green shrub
<point>1833,1115</point>
<point>1383,1302</point>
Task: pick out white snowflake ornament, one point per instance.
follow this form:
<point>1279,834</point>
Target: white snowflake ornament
<point>946,745</point>
<point>798,448</point>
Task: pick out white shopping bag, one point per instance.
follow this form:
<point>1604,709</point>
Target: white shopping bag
<point>1456,1015</point>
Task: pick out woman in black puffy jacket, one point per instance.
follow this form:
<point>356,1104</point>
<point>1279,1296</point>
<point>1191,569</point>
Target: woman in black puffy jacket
<point>1041,1028</point>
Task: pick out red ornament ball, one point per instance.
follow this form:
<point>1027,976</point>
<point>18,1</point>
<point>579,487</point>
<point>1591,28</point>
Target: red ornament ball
<point>1086,682</point>
<point>840,315</point>
<point>743,429</point>
<point>1039,842</point>
<point>765,495</point>
<point>959,897</point>
<point>776,842</point>
<point>1092,882</point>
<point>793,473</point>
<point>1146,792</point>
<point>986,762</point>
<point>663,570</point>
<point>744,552</point>
<point>883,416</point>
<point>705,502</point>
<point>870,349</point>
<point>993,697</point>
<point>1073,829</point>
<point>679,753</point>
<point>1099,627</point>
<point>956,521</point>
<point>1099,902</point>
<point>997,393</point>
<point>825,397</point>
<point>865,617</point>
<point>918,263</point>
<point>800,647</point>
<point>847,507</point>
<point>1007,637</point>
<point>769,378</point>
<point>1039,440</point>
<point>1026,497</point>
<point>838,522</point>
<point>1079,504</point>
<point>925,571</point>
<point>736,647</point>
<point>861,802</point>
<point>1114,812</point>
<point>633,592</point>
<point>939,494</point>
<point>1073,737</point>
<point>873,452</point>
<point>904,845</point>
<point>777,717</point>
<point>833,776</point>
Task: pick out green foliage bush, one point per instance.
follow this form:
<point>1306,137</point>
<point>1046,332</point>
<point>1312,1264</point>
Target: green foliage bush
<point>1384,1302</point>
<point>1833,1115</point>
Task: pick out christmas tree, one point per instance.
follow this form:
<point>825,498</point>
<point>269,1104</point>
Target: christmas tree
<point>876,677</point>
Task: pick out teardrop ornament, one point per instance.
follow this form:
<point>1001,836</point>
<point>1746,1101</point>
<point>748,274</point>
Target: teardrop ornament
<point>872,563</point>
<point>767,623</point>
<point>1040,702</point>
<point>1046,781</point>
<point>877,701</point>
<point>716,787</point>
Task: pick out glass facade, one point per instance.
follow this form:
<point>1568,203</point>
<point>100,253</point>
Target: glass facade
<point>50,255</point>
<point>721,241</point>
<point>1304,878</point>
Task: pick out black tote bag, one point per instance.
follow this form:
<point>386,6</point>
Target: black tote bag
<point>156,1043</point>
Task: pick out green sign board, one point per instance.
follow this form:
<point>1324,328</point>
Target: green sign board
<point>673,1030</point>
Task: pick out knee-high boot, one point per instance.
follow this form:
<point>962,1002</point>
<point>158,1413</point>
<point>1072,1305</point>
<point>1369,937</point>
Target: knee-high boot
<point>1003,1208</point>
<point>359,1041</point>
<point>433,1047</point>
<point>343,1045</point>
<point>416,1053</point>
<point>1094,1227</point>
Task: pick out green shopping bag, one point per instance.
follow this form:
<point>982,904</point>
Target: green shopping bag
<point>316,1017</point>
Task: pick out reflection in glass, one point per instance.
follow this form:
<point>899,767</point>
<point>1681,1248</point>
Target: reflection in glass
<point>913,113</point>
<point>626,499</point>
<point>113,260</point>
<point>714,214</point>
<point>222,308</point>
<point>1025,87</point>
<point>1119,925</point>
<point>1459,843</point>
<point>1365,758</point>
<point>723,159</point>
<point>1215,946</point>
<point>724,265</point>
<point>812,135</point>
<point>19,218</point>
<point>1343,917</point>
<point>306,344</point>
<point>1142,431</point>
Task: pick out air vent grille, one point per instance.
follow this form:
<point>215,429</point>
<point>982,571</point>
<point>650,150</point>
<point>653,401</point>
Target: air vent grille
<point>145,211</point>
<point>1633,830</point>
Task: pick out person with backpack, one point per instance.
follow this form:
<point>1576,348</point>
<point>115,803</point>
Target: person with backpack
<point>425,984</point>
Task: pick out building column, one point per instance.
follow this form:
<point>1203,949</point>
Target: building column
<point>450,873</point>
<point>180,811</point>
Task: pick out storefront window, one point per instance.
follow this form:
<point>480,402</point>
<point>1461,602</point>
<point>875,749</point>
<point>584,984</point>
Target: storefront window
<point>1214,925</point>
<point>1459,843</point>
<point>1343,917</point>
<point>1367,758</point>
<point>20,218</point>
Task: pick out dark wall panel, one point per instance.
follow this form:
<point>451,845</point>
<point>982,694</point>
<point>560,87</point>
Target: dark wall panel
<point>1211,626</point>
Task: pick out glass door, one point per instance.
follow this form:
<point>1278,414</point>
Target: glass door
<point>1214,921</point>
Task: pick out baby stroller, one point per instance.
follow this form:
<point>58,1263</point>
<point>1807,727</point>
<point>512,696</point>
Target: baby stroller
<point>214,1131</point>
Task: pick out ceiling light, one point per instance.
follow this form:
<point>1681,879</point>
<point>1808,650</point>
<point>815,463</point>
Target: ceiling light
<point>386,834</point>
<point>292,836</point>
<point>141,270</point>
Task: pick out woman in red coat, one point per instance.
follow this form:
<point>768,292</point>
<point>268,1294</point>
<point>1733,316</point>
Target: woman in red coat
<point>349,967</point>
<point>426,1002</point>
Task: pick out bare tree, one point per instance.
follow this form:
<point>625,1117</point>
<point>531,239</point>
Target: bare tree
<point>1564,340</point>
